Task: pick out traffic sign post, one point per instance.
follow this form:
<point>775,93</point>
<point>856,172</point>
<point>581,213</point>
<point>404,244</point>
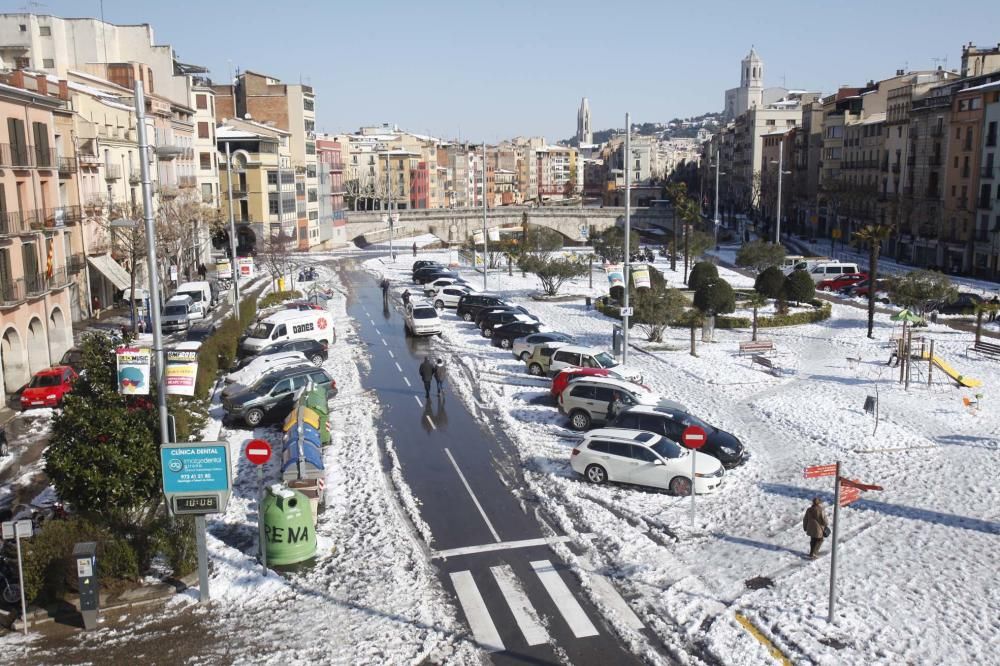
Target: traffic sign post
<point>693,438</point>
<point>17,530</point>
<point>258,452</point>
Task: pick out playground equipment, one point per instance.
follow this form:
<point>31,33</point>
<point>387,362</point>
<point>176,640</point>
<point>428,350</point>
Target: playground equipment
<point>961,380</point>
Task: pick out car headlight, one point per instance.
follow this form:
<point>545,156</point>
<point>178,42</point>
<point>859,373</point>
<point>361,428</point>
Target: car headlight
<point>51,397</point>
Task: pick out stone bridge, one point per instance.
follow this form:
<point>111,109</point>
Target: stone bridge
<point>458,225</point>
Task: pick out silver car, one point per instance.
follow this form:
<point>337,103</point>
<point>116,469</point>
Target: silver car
<point>523,348</point>
<point>588,400</point>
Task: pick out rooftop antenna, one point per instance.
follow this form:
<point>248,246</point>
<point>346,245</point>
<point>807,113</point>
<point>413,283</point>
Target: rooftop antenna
<point>31,5</point>
<point>939,61</point>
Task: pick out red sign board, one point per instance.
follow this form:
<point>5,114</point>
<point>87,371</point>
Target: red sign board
<point>258,451</point>
<point>848,495</point>
<point>820,470</point>
<point>851,483</point>
<point>693,437</point>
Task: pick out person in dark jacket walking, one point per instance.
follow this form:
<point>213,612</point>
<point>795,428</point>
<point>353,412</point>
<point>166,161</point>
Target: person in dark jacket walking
<point>815,525</point>
<point>385,290</point>
<point>414,249</point>
<point>427,374</point>
<point>440,373</point>
<point>406,297</point>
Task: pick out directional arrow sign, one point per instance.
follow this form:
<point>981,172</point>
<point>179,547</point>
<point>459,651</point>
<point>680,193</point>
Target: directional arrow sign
<point>820,470</point>
<point>848,495</point>
<point>851,483</point>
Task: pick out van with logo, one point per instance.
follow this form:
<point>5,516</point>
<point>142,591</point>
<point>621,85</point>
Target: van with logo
<point>201,294</point>
<point>290,325</point>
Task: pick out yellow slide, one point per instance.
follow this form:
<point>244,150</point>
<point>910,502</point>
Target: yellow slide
<point>968,382</point>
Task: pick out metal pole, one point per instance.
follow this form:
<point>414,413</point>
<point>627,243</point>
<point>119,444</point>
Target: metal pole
<point>199,534</point>
<point>388,202</point>
<point>261,536</point>
<point>781,168</point>
<point>628,231</point>
<point>20,577</point>
<point>154,278</point>
<point>232,234</point>
<point>930,363</point>
<point>486,254</point>
<point>693,477</point>
<point>909,350</point>
<point>833,550</point>
<point>715,220</point>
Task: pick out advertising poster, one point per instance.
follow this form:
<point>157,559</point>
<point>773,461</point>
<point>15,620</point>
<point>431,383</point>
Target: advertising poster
<point>477,237</point>
<point>494,234</point>
<point>616,278</point>
<point>181,371</point>
<point>224,270</point>
<point>133,370</point>
<point>245,265</point>
<point>640,276</point>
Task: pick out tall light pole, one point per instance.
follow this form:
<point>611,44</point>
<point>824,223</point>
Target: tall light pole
<point>486,256</point>
<point>388,202</point>
<point>716,222</point>
<point>781,171</point>
<point>232,233</point>
<point>628,232</point>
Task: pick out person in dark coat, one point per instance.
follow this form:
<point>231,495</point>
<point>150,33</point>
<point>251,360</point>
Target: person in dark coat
<point>995,302</point>
<point>202,271</point>
<point>427,374</point>
<point>615,406</point>
<point>385,289</point>
<point>414,249</point>
<point>815,525</point>
<point>406,297</point>
<point>440,373</point>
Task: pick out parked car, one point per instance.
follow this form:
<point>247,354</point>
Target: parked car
<point>449,296</point>
<point>199,332</point>
<point>571,356</point>
<point>262,365</point>
<point>313,350</point>
<point>562,380</point>
<point>840,281</point>
<point>302,305</point>
<point>586,400</point>
<point>48,387</point>
<point>831,269</point>
<point>671,423</point>
<point>421,318</point>
<point>431,288</point>
<point>73,357</point>
<point>494,311</point>
<point>965,304</point>
<point>504,335</point>
<point>272,396</point>
<point>494,319</point>
<point>522,349</point>
<point>177,314</point>
<point>861,289</point>
<point>644,459</point>
<point>470,304</point>
<point>432,273</point>
<point>290,325</point>
<point>423,263</point>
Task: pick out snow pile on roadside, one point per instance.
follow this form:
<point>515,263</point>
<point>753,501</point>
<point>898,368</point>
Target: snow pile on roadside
<point>915,558</point>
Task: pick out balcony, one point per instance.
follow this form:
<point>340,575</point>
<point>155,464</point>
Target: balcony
<point>67,167</point>
<point>36,285</point>
<point>45,158</point>
<point>187,181</point>
<point>112,172</point>
<point>13,223</point>
<point>986,172</point>
<point>76,263</point>
<point>134,176</point>
<point>87,153</point>
<point>168,193</point>
<point>12,292</point>
<point>169,152</point>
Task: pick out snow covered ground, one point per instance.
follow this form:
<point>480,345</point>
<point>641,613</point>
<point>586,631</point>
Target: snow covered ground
<point>916,563</point>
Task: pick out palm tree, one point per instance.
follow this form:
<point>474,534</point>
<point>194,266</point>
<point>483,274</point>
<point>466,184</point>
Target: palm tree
<point>873,234</point>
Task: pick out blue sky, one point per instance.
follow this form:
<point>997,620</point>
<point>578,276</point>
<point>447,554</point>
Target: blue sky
<point>489,69</point>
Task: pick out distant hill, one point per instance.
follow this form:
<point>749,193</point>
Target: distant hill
<point>678,128</point>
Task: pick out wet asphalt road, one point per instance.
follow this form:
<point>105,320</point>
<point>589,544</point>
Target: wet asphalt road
<point>451,463</point>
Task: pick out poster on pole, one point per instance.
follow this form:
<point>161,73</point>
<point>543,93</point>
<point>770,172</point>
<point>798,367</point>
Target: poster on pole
<point>224,270</point>
<point>181,371</point>
<point>477,237</point>
<point>245,265</point>
<point>616,278</point>
<point>133,370</point>
<point>640,276</point>
<point>494,234</point>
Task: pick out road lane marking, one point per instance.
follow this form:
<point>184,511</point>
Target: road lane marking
<point>406,380</point>
<point>419,401</point>
<point>524,614</point>
<point>568,606</point>
<point>472,494</point>
<point>391,355</point>
<point>604,589</point>
<point>503,545</point>
<point>428,417</point>
<point>483,629</point>
<point>384,342</point>
<point>397,365</point>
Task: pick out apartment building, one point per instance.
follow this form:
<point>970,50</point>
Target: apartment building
<point>986,259</point>
<point>292,108</point>
<point>331,193</point>
<point>41,244</point>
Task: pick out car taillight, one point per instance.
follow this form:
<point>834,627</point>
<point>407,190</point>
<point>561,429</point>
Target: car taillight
<point>575,452</point>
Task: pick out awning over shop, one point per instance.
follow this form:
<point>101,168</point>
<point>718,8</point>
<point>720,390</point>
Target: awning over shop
<point>111,270</point>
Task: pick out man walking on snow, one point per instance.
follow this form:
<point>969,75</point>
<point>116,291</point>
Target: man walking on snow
<point>427,374</point>
<point>440,373</point>
<point>815,525</point>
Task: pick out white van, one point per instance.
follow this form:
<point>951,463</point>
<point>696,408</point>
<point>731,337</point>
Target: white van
<point>831,269</point>
<point>290,325</point>
<point>176,314</point>
<point>805,264</point>
<point>201,294</point>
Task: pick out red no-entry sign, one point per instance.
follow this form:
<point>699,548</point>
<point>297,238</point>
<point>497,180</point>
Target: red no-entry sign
<point>693,437</point>
<point>258,451</point>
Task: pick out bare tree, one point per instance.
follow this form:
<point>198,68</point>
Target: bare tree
<point>276,254</point>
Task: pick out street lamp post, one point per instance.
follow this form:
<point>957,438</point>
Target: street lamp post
<point>628,231</point>
<point>716,222</point>
<point>781,171</point>
<point>232,232</point>
<point>486,259</point>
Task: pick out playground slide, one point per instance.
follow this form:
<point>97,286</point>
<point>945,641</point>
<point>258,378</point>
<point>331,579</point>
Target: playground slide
<point>967,382</point>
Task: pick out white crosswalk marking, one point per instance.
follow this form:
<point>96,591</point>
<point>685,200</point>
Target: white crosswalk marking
<point>524,614</point>
<point>578,622</point>
<point>483,629</point>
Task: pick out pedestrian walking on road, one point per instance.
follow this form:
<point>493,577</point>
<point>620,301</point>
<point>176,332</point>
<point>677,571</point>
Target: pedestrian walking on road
<point>385,289</point>
<point>440,373</point>
<point>406,297</point>
<point>427,374</point>
<point>202,271</point>
<point>995,302</point>
<point>815,525</point>
<point>414,249</point>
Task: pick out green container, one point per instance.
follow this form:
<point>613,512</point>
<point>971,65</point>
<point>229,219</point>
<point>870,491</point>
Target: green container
<point>288,526</point>
<point>316,400</point>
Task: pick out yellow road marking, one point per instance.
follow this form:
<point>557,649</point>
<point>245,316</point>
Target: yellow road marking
<point>763,640</point>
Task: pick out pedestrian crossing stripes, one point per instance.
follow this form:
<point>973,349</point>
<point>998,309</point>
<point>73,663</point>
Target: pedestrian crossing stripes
<point>534,629</point>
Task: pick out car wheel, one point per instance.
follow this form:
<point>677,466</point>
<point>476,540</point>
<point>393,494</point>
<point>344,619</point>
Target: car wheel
<point>536,370</point>
<point>579,419</point>
<point>525,356</point>
<point>317,359</point>
<point>596,474</point>
<point>680,485</point>
<point>254,417</point>
<point>439,304</point>
<point>487,332</point>
<point>467,316</point>
<point>505,343</point>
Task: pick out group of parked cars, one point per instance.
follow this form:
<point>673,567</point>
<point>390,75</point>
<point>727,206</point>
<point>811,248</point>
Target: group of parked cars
<point>857,283</point>
<point>638,435</point>
<point>192,301</point>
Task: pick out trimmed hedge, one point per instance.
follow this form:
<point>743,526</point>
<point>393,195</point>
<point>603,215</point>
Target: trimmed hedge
<point>808,317</point>
<point>276,297</point>
<point>822,312</point>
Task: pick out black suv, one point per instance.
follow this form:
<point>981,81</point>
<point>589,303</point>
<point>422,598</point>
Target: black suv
<point>470,305</point>
<point>670,423</point>
<point>314,350</point>
<point>425,262</point>
<point>500,317</point>
<point>505,334</point>
<point>430,274</point>
<point>273,395</point>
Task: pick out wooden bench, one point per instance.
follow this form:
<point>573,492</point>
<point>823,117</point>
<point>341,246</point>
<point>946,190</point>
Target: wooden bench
<point>990,349</point>
<point>767,363</point>
<point>756,347</point>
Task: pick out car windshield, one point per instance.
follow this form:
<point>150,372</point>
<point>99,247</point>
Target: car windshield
<point>425,313</point>
<point>605,360</point>
<point>41,381</point>
<point>265,384</point>
<point>262,330</point>
<point>175,310</point>
<point>667,449</point>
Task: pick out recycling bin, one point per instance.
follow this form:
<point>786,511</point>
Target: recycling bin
<point>289,528</point>
<point>312,489</point>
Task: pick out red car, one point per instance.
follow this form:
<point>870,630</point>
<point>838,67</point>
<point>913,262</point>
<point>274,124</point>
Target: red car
<point>562,380</point>
<point>303,305</point>
<point>48,387</point>
<point>841,281</point>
